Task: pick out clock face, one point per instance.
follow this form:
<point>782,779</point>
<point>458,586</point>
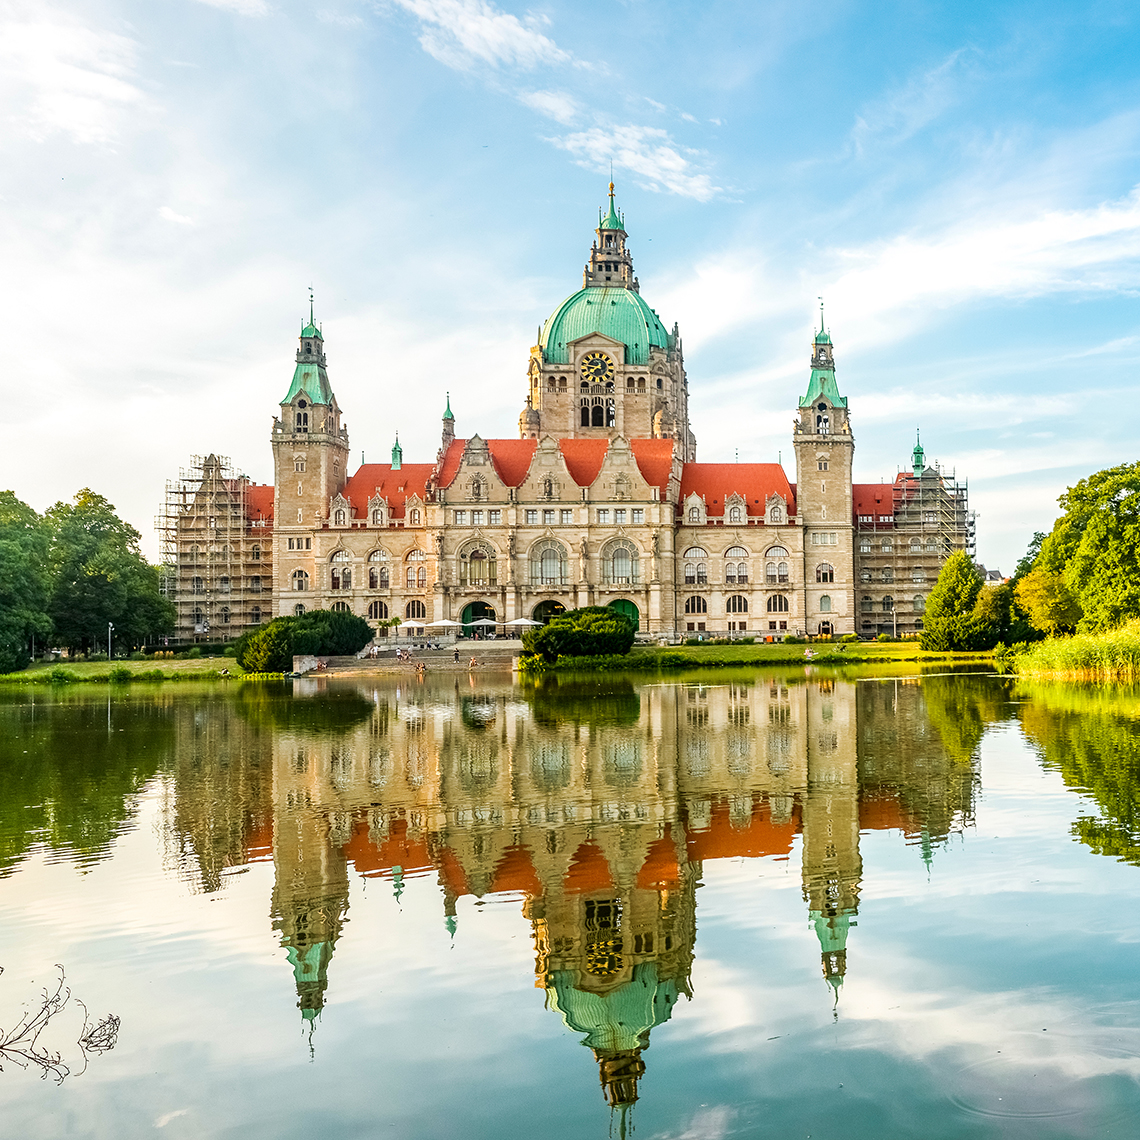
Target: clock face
<point>597,366</point>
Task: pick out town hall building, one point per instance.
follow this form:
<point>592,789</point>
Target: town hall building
<point>600,500</point>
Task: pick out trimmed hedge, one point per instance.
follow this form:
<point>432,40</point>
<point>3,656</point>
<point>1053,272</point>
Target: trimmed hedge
<point>322,633</point>
<point>593,631</point>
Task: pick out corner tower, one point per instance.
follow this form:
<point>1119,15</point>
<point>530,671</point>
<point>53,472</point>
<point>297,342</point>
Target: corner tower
<point>310,465</point>
<point>605,365</point>
<point>825,451</point>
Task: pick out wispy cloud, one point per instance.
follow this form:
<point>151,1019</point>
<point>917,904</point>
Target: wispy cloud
<point>648,152</point>
<point>59,77</point>
<point>170,215</point>
<point>556,105</point>
<point>241,7</point>
<point>465,33</point>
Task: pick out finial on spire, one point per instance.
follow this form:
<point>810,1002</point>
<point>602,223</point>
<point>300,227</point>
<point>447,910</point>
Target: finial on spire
<point>448,414</point>
<point>821,314</point>
<point>311,304</point>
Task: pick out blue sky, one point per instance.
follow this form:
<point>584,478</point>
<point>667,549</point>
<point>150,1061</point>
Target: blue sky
<point>959,181</point>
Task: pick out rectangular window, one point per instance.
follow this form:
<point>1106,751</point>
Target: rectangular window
<point>290,544</point>
<point>603,516</point>
<point>771,625</point>
<point>690,627</point>
<point>619,516</point>
<point>495,518</point>
<point>823,538</point>
<point>864,548</point>
<point>886,518</point>
<point>532,518</point>
<point>308,543</point>
<point>567,518</point>
<point>547,518</point>
<point>783,625</point>
<point>460,518</point>
<point>867,518</point>
<point>476,518</point>
<point>638,515</point>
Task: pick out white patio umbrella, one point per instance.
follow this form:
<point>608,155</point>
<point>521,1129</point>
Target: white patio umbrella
<point>410,625</point>
<point>442,623</point>
<point>484,621</point>
<point>522,621</point>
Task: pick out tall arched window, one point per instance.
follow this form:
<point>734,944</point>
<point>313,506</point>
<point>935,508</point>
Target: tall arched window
<point>865,604</point>
<point>598,414</point>
<point>777,604</point>
<point>378,570</point>
<point>340,607</point>
<point>775,569</point>
<point>196,586</point>
<point>825,572</point>
<point>256,553</point>
<point>416,610</point>
<point>735,515</point>
<point>300,579</point>
<point>478,566</point>
<point>734,571</point>
<point>888,573</point>
<point>417,571</point>
<point>737,604</point>
<point>696,605</point>
<point>694,514</point>
<point>378,611</point>
<point>888,604</point>
<point>377,517</point>
<point>341,577</point>
<point>918,604</point>
<point>825,604</point>
<point>338,518</point>
<point>548,564</point>
<point>620,564</point>
<point>414,516</point>
<point>584,417</point>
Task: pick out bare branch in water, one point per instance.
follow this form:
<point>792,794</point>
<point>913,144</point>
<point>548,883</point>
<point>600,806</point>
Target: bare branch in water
<point>21,1044</point>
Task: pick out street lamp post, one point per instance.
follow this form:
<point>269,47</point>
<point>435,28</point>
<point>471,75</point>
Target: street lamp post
<point>110,626</point>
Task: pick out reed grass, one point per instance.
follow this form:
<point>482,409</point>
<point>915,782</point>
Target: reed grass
<point>1110,656</point>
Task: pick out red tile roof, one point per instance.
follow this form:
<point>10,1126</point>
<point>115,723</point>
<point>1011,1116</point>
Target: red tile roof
<point>395,486</point>
<point>755,481</point>
<point>872,499</point>
<point>259,499</point>
<point>583,458</point>
<point>655,459</point>
<point>761,835</point>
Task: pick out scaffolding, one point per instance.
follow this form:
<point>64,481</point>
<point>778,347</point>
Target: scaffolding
<point>216,559</point>
<point>933,507</point>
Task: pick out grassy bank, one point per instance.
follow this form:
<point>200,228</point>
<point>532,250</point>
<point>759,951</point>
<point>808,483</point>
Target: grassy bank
<point>718,656</point>
<point>1111,656</point>
<point>125,672</point>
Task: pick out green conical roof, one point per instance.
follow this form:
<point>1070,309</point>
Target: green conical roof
<point>311,330</point>
<point>822,383</point>
<point>448,415</point>
<point>612,220</point>
<point>313,380</point>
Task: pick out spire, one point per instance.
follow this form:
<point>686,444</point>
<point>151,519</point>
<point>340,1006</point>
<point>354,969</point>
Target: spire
<point>311,328</point>
<point>397,454</point>
<point>918,456</point>
<point>822,337</point>
<point>613,220</point>
<point>448,415</point>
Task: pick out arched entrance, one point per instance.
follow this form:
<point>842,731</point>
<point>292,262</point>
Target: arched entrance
<point>544,611</point>
<point>628,610</point>
<point>474,612</point>
<point>825,629</point>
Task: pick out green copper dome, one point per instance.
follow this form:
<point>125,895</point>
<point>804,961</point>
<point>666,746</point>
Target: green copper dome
<point>617,313</point>
<point>311,330</point>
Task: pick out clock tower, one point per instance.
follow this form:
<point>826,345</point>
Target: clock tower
<point>605,365</point>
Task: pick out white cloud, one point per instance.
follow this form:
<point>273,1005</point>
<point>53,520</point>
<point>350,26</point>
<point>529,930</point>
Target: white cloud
<point>241,7</point>
<point>170,216</point>
<point>464,33</point>
<point>556,105</point>
<point>645,151</point>
<point>57,76</point>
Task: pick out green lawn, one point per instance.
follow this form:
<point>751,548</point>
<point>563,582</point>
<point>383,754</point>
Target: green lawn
<point>172,669</point>
<point>829,652</point>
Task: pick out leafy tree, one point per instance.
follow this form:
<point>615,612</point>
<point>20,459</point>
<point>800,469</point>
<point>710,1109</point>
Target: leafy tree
<point>23,581</point>
<point>325,633</point>
<point>99,576</point>
<point>1051,606</point>
<point>1026,561</point>
<point>588,632</point>
<point>1095,549</point>
<point>949,621</point>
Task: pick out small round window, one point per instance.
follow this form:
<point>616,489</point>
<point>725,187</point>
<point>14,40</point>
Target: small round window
<point>302,404</point>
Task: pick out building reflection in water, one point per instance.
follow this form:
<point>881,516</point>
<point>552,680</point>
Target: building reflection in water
<point>597,803</point>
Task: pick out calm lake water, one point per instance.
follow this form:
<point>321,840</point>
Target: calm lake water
<point>756,905</point>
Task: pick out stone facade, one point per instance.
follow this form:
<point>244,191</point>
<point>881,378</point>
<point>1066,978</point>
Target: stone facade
<point>600,501</point>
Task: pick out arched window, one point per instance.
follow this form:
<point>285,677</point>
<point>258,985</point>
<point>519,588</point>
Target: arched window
<point>377,518</point>
<point>777,604</point>
<point>298,610</point>
<point>888,573</point>
<point>341,574</point>
<point>340,607</point>
<point>255,553</point>
<point>918,574</point>
<point>196,586</point>
<point>378,611</point>
<point>700,552</point>
<point>224,614</point>
<point>825,572</point>
<point>598,415</point>
<point>864,575</point>
<point>737,604</point>
<point>300,579</point>
<point>478,567</point>
<point>378,570</point>
<point>822,424</point>
<point>735,572</point>
<point>548,564</point>
<point>734,515</point>
<point>825,604</point>
<point>298,463</point>
<point>620,563</point>
<point>888,604</point>
<point>776,571</point>
<point>224,584</point>
<point>255,615</point>
<point>694,514</point>
<point>611,411</point>
<point>696,605</point>
<point>776,515</point>
<point>918,604</point>
<point>866,605</point>
<point>414,516</point>
<point>584,417</point>
<point>338,518</point>
<point>416,610</point>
